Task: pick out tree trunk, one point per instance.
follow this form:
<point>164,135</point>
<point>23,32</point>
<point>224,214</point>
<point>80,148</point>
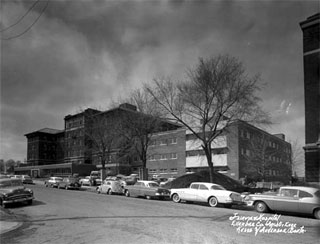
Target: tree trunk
<point>103,173</point>
<point>209,160</point>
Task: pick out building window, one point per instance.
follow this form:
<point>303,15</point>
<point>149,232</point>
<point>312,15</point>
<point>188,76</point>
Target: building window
<point>163,142</point>
<point>173,170</point>
<point>152,157</point>
<point>163,171</point>
<point>173,156</point>
<point>163,157</point>
<point>152,143</point>
<point>173,140</point>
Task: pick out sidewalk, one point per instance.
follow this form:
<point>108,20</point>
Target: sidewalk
<point>8,221</point>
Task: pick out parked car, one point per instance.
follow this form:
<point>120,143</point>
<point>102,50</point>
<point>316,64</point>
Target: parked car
<point>294,199</point>
<point>131,179</point>
<point>95,177</point>
<point>86,181</point>
<point>213,194</point>
<point>26,179</point>
<point>12,191</point>
<point>16,176</point>
<point>167,181</point>
<point>4,176</point>
<point>110,187</point>
<point>147,189</point>
<point>53,181</point>
<point>69,183</point>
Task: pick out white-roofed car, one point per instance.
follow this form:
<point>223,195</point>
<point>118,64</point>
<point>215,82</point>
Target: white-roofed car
<point>294,199</point>
<point>53,181</point>
<point>213,194</point>
<point>110,187</point>
<point>147,189</point>
<point>26,179</point>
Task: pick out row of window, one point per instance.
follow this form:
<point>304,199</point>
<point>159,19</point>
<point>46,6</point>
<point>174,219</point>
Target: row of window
<point>74,143</point>
<point>166,156</point>
<point>74,123</point>
<point>271,172</point>
<point>74,153</point>
<point>262,139</point>
<point>249,153</point>
<point>75,133</point>
<point>163,171</point>
<point>163,142</point>
<point>215,151</point>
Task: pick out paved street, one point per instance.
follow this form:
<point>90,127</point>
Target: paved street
<point>61,216</point>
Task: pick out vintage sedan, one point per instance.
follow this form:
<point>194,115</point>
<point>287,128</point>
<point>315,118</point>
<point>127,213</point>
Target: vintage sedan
<point>53,181</point>
<point>213,194</point>
<point>293,199</point>
<point>86,181</point>
<point>12,191</point>
<point>147,189</point>
<point>69,183</point>
<point>26,179</point>
<point>110,187</point>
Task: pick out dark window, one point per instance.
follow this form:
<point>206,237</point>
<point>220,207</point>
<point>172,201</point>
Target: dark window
<point>303,194</point>
<point>203,187</point>
<point>195,186</point>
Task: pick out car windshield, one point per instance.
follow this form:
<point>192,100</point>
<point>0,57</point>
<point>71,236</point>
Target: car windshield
<point>217,187</point>
<point>10,183</point>
<point>153,184</point>
<point>317,193</point>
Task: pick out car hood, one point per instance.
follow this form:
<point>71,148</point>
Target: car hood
<point>12,189</point>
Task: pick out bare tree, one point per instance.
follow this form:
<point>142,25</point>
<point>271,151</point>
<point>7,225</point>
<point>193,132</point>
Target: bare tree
<point>257,157</point>
<point>138,127</point>
<point>102,135</point>
<point>297,156</point>
<point>216,93</point>
<point>266,160</point>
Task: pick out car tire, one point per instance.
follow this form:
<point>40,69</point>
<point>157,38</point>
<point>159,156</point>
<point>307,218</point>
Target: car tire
<point>127,193</point>
<point>29,202</point>
<point>176,198</point>
<point>213,202</point>
<point>98,190</point>
<point>261,207</point>
<point>46,184</point>
<point>316,213</point>
<point>109,192</point>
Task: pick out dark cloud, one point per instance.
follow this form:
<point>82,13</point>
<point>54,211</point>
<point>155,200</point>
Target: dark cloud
<point>84,53</point>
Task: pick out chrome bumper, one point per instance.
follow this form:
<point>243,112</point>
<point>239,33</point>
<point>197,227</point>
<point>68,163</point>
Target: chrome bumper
<point>18,200</point>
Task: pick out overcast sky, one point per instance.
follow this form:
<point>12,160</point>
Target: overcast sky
<point>84,53</point>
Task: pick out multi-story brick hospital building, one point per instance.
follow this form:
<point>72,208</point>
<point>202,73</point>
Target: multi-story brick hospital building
<point>235,153</point>
<point>311,58</point>
<point>172,151</point>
